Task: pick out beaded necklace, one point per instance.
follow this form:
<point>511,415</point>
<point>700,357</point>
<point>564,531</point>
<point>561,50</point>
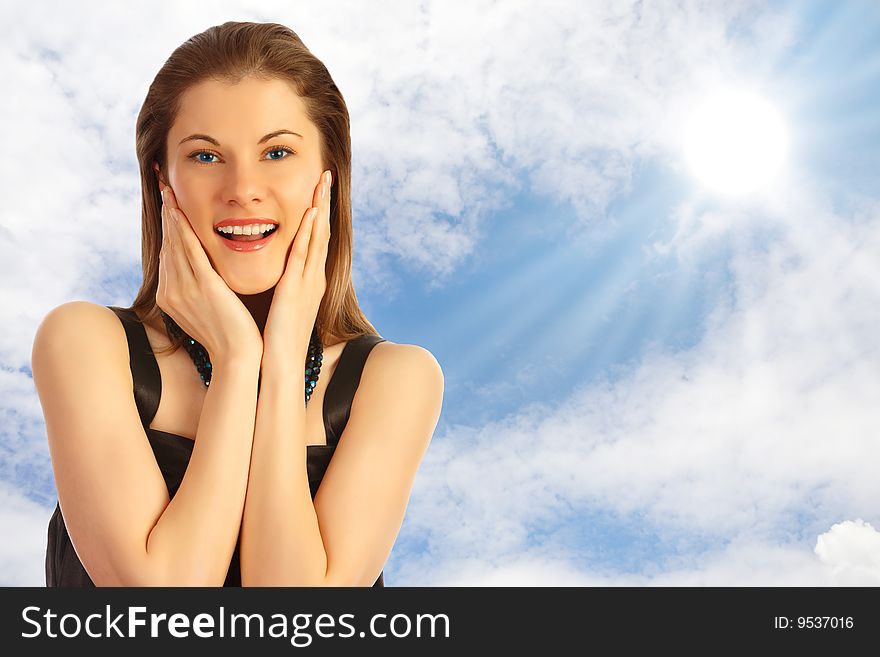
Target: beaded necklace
<point>202,361</point>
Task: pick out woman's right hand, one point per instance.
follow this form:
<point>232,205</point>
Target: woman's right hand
<point>195,296</point>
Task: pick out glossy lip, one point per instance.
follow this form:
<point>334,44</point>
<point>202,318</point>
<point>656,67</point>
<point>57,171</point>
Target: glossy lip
<point>256,245</point>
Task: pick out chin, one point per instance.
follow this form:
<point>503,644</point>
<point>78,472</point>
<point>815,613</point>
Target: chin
<point>248,273</point>
<point>255,283</point>
<point>258,289</point>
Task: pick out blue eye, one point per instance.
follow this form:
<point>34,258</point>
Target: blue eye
<point>273,149</point>
<point>281,149</point>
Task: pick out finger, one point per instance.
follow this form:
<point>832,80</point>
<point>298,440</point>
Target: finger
<point>183,268</point>
<point>320,236</point>
<point>167,275</point>
<point>169,198</point>
<point>191,244</point>
<point>198,258</point>
<point>186,271</point>
<point>300,248</point>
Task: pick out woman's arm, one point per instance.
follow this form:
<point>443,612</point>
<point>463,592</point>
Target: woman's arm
<point>345,536</point>
<point>112,493</point>
<point>281,542</point>
<point>196,534</point>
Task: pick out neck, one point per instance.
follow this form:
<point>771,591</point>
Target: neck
<point>258,305</point>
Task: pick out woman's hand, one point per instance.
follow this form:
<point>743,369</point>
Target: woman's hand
<point>298,294</point>
<point>195,296</point>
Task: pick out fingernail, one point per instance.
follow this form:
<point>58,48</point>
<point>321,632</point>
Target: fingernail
<point>323,190</point>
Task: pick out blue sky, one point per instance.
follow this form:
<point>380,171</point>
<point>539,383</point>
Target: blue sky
<point>646,382</point>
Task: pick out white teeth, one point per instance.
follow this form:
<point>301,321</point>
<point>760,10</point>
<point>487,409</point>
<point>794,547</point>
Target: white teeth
<point>250,229</point>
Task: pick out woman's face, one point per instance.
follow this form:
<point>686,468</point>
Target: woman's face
<point>242,175</point>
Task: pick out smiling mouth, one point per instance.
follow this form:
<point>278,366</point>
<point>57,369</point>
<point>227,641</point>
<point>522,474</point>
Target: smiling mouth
<point>232,237</point>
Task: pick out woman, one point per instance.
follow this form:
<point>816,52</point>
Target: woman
<point>201,466</point>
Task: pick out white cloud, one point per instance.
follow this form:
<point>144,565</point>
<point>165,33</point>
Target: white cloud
<point>851,549</point>
<point>23,548</point>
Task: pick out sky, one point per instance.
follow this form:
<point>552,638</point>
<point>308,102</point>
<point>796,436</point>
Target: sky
<point>648,381</point>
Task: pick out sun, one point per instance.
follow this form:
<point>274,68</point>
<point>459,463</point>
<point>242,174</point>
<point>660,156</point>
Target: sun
<point>735,142</point>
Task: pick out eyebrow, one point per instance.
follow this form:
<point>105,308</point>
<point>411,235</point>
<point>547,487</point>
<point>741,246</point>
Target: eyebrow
<point>264,139</point>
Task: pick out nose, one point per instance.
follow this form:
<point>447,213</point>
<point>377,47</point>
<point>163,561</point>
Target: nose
<point>243,185</point>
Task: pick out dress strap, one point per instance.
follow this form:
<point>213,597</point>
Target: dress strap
<point>344,383</point>
<point>146,379</point>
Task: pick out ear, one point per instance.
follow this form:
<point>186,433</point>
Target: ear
<point>159,175</point>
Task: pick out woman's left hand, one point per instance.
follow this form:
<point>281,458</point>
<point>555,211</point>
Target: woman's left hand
<point>298,294</point>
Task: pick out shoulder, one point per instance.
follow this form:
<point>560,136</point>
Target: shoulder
<point>401,379</point>
<point>76,329</point>
<point>399,399</point>
<point>407,364</point>
<point>78,318</point>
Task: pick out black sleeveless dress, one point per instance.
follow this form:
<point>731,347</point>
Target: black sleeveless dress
<point>63,567</point>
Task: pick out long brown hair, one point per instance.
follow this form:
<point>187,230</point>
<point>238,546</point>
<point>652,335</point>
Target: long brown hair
<point>229,53</point>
